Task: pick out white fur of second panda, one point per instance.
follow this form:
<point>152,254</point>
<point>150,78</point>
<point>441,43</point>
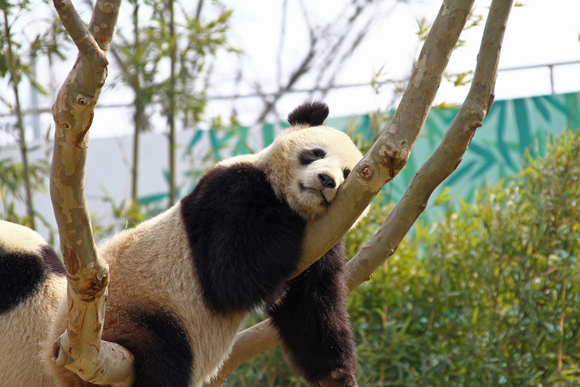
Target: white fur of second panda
<point>24,328</point>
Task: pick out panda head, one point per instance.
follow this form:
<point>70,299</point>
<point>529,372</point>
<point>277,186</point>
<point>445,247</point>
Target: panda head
<point>308,162</point>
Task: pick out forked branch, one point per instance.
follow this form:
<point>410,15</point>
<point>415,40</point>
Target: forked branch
<point>391,151</point>
<point>446,157</point>
<point>262,337</point>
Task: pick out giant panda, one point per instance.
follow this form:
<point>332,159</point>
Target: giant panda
<point>182,283</point>
<point>32,286</point>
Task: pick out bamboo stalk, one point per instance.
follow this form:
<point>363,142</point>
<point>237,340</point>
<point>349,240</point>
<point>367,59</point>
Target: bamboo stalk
<point>19,124</point>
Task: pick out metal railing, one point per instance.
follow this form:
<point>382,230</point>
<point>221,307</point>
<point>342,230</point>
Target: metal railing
<point>550,66</point>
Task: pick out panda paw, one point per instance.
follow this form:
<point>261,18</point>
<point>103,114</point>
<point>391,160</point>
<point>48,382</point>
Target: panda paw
<point>338,378</point>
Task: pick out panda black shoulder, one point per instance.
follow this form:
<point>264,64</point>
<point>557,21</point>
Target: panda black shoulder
<point>309,114</point>
<point>245,240</point>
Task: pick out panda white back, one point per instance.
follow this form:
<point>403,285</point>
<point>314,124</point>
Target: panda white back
<point>151,271</point>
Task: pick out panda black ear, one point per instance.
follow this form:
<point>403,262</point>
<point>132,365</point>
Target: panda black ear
<point>309,113</point>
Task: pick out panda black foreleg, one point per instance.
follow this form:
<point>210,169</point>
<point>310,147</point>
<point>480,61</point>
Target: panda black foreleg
<point>314,325</point>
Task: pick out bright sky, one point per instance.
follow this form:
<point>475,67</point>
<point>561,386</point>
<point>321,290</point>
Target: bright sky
<point>540,32</point>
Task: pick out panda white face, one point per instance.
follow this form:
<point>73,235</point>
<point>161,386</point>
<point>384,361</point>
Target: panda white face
<point>307,163</point>
<point>320,176</point>
<point>320,158</point>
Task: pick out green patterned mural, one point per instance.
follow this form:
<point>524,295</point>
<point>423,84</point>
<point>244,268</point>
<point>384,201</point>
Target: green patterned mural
<point>511,128</point>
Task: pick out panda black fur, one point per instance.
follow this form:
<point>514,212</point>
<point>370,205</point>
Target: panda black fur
<point>32,286</point>
<point>182,283</point>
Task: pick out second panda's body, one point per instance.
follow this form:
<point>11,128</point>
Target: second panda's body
<point>183,282</point>
<point>32,285</point>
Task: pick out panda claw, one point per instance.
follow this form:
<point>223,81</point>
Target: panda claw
<point>338,378</point>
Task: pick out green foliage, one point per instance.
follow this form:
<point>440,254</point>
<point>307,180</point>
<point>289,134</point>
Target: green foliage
<point>423,28</point>
<point>186,45</point>
<point>196,42</point>
<point>18,53</point>
<point>486,296</point>
<point>47,40</point>
<point>481,297</point>
<point>11,183</point>
<point>365,133</point>
<point>461,79</point>
<point>126,214</point>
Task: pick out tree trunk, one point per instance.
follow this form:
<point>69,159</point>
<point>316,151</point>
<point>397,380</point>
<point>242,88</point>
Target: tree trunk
<point>80,348</point>
<point>171,112</point>
<point>138,118</point>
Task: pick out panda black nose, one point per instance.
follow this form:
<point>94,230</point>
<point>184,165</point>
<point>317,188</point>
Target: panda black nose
<point>327,181</point>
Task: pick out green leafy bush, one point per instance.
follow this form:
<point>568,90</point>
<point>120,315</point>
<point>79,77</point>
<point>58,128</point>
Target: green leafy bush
<point>489,294</point>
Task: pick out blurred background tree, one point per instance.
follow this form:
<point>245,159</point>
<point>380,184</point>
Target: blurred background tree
<point>19,51</point>
<point>186,44</point>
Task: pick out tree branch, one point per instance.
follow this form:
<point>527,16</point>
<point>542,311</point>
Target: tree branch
<point>391,151</point>
<point>326,45</point>
<point>262,337</point>
<point>80,348</point>
<point>446,157</point>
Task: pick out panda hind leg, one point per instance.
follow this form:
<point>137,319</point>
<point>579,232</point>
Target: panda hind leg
<point>313,323</point>
<point>159,343</point>
<point>162,353</point>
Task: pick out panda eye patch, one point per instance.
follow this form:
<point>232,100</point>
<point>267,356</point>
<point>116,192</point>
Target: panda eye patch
<point>308,156</point>
<point>345,173</point>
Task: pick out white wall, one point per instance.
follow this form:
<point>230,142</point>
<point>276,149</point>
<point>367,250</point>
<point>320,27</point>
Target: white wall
<point>108,170</point>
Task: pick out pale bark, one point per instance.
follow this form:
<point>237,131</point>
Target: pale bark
<point>390,153</point>
<point>80,348</point>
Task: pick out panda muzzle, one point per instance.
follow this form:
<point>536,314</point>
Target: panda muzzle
<point>318,191</point>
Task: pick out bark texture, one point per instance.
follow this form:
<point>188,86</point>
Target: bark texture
<point>80,348</point>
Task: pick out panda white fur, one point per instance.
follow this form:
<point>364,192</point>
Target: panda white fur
<point>182,283</point>
<point>32,286</point>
